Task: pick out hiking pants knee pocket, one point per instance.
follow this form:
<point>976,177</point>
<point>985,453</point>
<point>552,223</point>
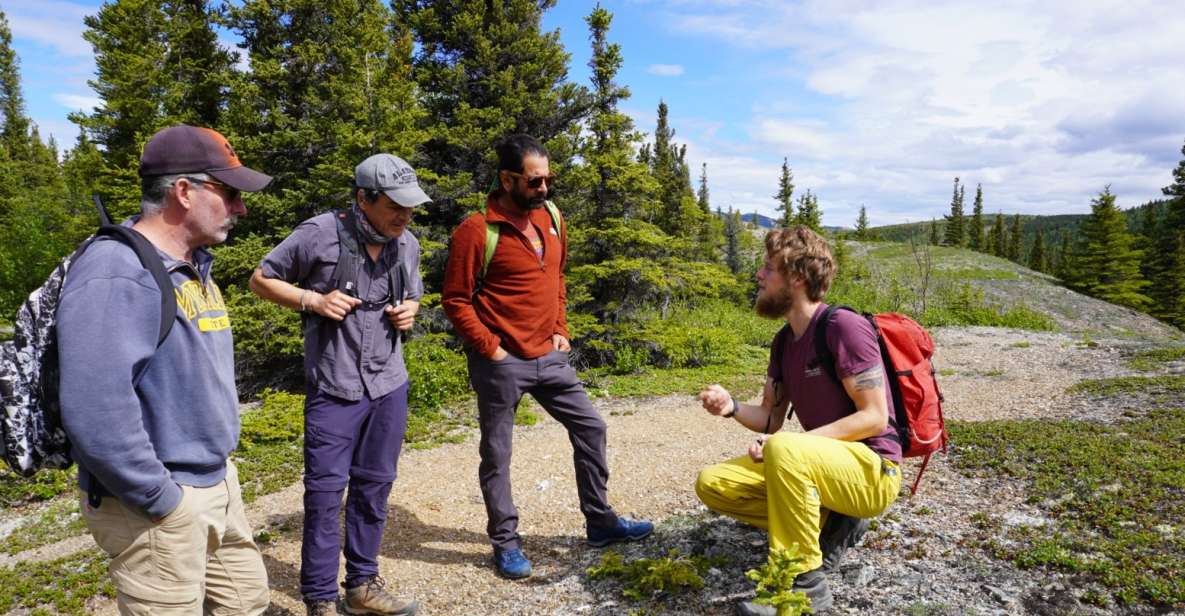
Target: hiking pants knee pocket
<point>163,563</point>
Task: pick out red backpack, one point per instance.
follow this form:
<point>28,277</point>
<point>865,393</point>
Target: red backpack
<point>906,349</point>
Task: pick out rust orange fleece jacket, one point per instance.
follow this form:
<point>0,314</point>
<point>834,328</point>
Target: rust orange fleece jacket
<point>522,300</point>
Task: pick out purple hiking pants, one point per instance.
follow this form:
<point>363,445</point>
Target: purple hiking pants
<point>355,444</point>
<point>552,381</point>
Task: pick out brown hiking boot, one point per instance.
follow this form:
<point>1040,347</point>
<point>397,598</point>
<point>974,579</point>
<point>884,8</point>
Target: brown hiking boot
<point>320,608</point>
<point>371,598</point>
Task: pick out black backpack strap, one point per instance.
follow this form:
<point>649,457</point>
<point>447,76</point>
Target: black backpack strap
<point>824,358</point>
<point>152,262</point>
<point>349,260</point>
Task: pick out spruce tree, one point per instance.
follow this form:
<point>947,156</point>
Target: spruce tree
<point>1168,283</point>
<point>329,85</point>
<point>954,220</point>
<point>975,239</point>
<point>1015,239</point>
<point>486,70</point>
<point>36,229</point>
<point>14,136</point>
<point>1037,253</point>
<point>1063,266</point>
<point>862,224</point>
<point>933,232</point>
<point>809,214</point>
<point>1109,265</point>
<point>701,196</point>
<point>157,63</point>
<point>619,185</point>
<point>1000,240</point>
<point>785,195</point>
<point>733,228</point>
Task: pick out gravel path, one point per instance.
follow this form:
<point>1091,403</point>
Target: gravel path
<point>436,548</point>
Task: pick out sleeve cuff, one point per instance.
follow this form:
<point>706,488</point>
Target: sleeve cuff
<point>170,497</point>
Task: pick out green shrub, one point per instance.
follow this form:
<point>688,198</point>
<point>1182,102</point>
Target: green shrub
<point>1113,493</point>
<point>775,582</point>
<point>16,490</point>
<point>688,346</point>
<point>645,577</point>
<point>65,584</point>
<point>439,375</point>
<point>269,346</point>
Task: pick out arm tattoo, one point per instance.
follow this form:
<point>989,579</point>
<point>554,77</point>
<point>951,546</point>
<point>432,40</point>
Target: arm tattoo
<point>871,378</point>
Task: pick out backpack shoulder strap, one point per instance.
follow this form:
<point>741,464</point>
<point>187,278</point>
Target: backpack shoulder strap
<point>345,273</point>
<point>493,231</point>
<point>152,262</point>
<point>823,353</point>
<point>778,348</point>
<point>557,219</point>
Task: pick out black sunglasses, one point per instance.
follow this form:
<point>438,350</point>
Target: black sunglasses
<point>537,181</point>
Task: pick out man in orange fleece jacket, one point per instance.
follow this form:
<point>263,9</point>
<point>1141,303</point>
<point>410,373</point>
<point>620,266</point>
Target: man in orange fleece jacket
<point>511,314</point>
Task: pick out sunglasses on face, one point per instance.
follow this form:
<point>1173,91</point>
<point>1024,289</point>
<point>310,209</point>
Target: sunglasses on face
<point>229,192</point>
<point>537,181</point>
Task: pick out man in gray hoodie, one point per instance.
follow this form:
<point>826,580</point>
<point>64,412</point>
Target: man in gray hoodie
<point>152,426</point>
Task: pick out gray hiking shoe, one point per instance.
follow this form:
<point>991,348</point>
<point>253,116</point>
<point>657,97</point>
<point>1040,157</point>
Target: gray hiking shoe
<point>813,584</point>
<point>839,533</point>
<point>372,598</point>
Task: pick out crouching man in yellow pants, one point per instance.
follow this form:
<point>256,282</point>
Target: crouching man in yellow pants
<point>844,469</point>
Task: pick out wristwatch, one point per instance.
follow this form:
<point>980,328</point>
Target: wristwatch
<point>732,411</point>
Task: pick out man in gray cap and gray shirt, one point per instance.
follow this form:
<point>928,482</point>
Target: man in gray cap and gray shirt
<point>355,275</point>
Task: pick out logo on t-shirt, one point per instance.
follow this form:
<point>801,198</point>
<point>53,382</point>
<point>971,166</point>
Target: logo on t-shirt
<point>813,369</point>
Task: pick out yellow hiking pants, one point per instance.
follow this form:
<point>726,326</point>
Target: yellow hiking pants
<point>801,474</point>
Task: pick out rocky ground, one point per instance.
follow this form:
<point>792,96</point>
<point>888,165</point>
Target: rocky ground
<point>919,560</point>
<point>916,561</point>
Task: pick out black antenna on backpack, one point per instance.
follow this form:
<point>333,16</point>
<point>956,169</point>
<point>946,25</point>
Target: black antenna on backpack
<point>104,217</point>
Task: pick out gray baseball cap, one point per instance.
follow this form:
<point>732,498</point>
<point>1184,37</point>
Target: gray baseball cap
<point>393,176</point>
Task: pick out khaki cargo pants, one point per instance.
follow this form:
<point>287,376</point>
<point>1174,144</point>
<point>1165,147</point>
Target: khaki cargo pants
<point>199,559</point>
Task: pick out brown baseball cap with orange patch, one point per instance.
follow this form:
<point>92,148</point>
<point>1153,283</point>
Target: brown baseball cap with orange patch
<point>191,149</point>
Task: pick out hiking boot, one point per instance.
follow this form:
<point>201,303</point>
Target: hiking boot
<point>625,530</point>
<point>840,533</point>
<point>813,584</point>
<point>512,564</point>
<point>370,597</point>
<point>320,608</point>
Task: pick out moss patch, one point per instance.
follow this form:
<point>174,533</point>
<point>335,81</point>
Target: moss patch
<point>1116,495</point>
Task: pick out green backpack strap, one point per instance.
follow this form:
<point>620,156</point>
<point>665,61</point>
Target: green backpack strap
<point>493,230</point>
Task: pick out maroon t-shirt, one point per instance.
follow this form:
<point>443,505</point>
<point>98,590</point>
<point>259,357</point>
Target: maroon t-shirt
<point>818,399</point>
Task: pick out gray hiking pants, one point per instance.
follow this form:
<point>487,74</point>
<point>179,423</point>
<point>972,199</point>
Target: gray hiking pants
<point>552,381</point>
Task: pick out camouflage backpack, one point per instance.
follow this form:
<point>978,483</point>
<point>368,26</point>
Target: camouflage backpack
<point>30,412</point>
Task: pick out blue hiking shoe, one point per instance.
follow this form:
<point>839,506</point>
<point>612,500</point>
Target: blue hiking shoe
<point>512,564</point>
<point>625,530</point>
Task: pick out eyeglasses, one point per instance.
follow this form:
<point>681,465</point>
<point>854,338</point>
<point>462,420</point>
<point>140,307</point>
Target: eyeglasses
<point>537,181</point>
<point>230,193</point>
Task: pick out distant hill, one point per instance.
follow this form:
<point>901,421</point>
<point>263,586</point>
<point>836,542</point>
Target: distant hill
<point>761,220</point>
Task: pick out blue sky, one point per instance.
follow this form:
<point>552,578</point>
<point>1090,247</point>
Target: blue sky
<point>880,103</point>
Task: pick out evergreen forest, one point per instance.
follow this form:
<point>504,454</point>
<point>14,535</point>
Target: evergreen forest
<point>659,277</point>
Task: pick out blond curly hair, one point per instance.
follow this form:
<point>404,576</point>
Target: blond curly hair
<point>799,250</point>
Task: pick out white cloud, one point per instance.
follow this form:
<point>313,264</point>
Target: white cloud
<point>665,70</point>
<point>1044,103</point>
<point>52,23</point>
<point>78,102</point>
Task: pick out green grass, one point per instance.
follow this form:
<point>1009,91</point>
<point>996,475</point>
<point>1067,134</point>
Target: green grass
<point>1161,387</point>
<point>60,520</point>
<point>1111,491</point>
<point>742,374</point>
<point>45,485</point>
<point>1023,344</point>
<point>1149,360</point>
<point>65,584</point>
